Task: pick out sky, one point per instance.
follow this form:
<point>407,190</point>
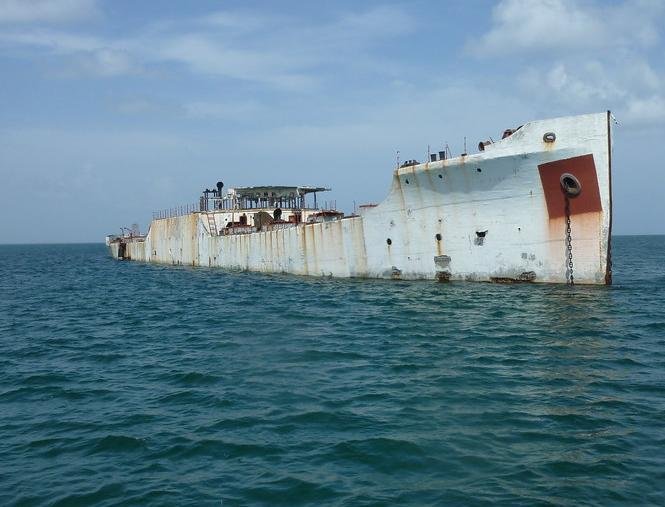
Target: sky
<point>112,109</point>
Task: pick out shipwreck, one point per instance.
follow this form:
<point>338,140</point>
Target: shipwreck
<point>533,206</point>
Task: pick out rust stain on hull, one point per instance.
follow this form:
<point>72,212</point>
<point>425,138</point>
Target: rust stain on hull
<point>584,169</point>
<point>510,192</point>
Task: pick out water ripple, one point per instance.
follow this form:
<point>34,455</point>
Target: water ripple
<point>134,384</point>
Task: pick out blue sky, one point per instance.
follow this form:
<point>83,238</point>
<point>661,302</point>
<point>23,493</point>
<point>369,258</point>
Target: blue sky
<point>112,109</point>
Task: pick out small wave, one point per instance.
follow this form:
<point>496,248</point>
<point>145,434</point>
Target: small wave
<point>195,378</point>
<point>216,448</point>
<point>339,420</point>
<point>118,443</point>
<point>313,355</point>
<point>101,494</point>
<point>45,379</point>
<point>234,423</point>
<point>193,397</point>
<point>383,453</point>
<point>289,491</point>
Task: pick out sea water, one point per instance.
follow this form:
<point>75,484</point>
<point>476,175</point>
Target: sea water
<point>125,383</point>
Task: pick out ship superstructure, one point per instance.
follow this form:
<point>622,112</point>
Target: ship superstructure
<point>262,208</point>
<point>534,206</point>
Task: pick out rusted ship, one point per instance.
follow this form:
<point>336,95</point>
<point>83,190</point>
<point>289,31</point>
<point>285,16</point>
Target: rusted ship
<point>534,206</point>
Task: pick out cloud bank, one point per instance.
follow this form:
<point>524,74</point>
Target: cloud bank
<point>155,101</point>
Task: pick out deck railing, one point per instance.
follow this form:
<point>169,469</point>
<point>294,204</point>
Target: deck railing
<point>186,209</point>
<point>178,211</point>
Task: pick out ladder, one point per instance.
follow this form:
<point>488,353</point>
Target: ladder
<point>212,225</point>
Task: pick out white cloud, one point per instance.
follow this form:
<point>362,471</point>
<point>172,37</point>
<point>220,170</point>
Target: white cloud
<point>50,40</point>
<point>632,89</point>
<point>50,11</point>
<point>206,55</point>
<point>572,83</point>
<point>237,21</point>
<point>108,62</point>
<point>555,27</point>
<point>525,25</point>
<point>629,86</point>
<point>370,25</point>
<point>85,55</point>
<point>276,50</point>
<point>582,56</point>
<point>645,110</point>
<point>273,50</point>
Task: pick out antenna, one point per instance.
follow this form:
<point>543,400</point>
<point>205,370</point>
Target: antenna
<point>397,154</point>
<point>428,154</point>
<point>465,145</point>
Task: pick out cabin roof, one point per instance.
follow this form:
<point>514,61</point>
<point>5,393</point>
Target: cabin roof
<point>275,191</point>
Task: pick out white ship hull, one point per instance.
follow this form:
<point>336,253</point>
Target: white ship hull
<point>498,215</point>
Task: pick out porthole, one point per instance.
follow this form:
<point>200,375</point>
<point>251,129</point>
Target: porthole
<point>440,176</point>
<point>478,169</point>
<point>406,181</point>
<point>389,241</point>
<point>438,236</point>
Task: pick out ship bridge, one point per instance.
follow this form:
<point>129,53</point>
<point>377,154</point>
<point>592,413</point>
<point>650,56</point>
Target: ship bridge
<point>271,196</point>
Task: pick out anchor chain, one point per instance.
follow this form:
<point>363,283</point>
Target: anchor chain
<point>571,188</point>
<point>570,280</point>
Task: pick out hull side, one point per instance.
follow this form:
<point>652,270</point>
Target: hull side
<point>499,194</point>
<point>491,216</point>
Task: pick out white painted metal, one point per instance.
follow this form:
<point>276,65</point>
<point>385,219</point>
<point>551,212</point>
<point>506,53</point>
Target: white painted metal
<point>498,190</point>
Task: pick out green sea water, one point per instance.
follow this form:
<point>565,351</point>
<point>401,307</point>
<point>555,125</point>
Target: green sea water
<point>124,383</point>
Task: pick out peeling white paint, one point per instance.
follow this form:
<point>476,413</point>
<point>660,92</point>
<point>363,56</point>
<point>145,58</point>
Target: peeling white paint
<point>498,191</point>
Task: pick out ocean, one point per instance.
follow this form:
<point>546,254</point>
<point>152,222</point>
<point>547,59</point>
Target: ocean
<point>125,383</point>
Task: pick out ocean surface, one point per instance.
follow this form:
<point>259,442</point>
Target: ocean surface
<point>124,383</point>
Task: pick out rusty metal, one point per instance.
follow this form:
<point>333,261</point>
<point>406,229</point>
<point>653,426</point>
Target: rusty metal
<point>570,184</point>
<point>527,276</point>
<point>571,188</point>
<point>212,224</point>
<point>448,201</point>
<point>179,211</point>
<point>503,279</point>
<point>238,229</point>
<point>584,170</point>
<point>409,163</point>
<point>608,260</point>
<point>569,246</point>
<point>122,250</point>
